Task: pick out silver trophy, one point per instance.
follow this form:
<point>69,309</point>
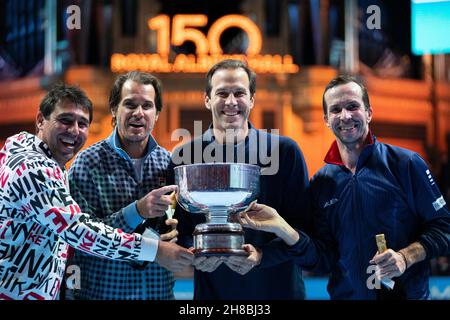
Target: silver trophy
<point>218,190</point>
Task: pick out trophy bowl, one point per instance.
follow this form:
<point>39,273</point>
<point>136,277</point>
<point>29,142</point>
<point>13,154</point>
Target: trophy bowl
<point>217,190</point>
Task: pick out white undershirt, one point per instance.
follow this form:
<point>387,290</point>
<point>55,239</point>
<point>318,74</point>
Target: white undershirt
<point>137,163</point>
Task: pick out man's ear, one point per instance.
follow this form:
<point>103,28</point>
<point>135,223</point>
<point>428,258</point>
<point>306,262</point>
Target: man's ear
<point>252,101</point>
<point>207,102</point>
<point>325,119</point>
<point>369,116</point>
<point>39,121</point>
<point>113,116</point>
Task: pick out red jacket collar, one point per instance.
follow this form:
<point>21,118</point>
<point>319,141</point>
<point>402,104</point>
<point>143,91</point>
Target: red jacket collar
<point>333,155</point>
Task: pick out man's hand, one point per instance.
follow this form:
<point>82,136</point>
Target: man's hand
<point>171,236</point>
<point>155,203</point>
<point>173,257</point>
<point>243,264</point>
<point>264,218</point>
<point>207,264</point>
<point>391,263</point>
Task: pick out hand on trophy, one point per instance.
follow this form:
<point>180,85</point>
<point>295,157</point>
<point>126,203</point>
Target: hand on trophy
<point>261,217</point>
<point>170,236</point>
<point>243,264</point>
<point>208,263</point>
<point>155,203</point>
<point>173,257</point>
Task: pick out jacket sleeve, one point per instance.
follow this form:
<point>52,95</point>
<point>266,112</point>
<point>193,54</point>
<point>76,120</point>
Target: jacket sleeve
<point>316,249</point>
<point>427,201</point>
<point>85,192</point>
<point>52,206</point>
<point>318,252</point>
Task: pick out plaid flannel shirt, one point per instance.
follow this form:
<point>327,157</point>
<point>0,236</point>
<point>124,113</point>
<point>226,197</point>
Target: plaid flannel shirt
<point>105,185</point>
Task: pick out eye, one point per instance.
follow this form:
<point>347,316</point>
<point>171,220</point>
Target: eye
<point>353,107</point>
<point>335,110</point>
<point>83,125</point>
<point>65,121</point>
<point>129,104</point>
<point>147,106</point>
<point>222,94</point>
<point>239,94</point>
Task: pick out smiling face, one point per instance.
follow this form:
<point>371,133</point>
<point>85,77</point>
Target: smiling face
<point>346,114</point>
<point>230,100</point>
<point>65,131</point>
<point>136,114</point>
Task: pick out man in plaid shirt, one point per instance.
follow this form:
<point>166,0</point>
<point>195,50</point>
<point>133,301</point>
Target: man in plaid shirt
<point>120,180</point>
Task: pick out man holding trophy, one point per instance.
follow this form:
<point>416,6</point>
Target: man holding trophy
<point>219,173</point>
<point>379,216</point>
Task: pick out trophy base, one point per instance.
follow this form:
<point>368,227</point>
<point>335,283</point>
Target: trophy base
<point>219,239</point>
<point>219,252</point>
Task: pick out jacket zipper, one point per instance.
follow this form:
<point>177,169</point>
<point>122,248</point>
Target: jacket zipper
<point>357,215</point>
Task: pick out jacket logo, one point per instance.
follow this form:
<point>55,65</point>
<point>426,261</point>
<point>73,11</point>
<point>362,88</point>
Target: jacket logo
<point>430,178</point>
<point>439,203</point>
<point>330,202</point>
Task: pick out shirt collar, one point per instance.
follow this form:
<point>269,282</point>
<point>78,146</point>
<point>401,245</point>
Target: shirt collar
<point>333,155</point>
<point>114,141</point>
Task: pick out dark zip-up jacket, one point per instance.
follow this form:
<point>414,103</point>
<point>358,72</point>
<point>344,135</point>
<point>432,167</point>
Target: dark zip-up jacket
<point>285,191</point>
<point>391,192</point>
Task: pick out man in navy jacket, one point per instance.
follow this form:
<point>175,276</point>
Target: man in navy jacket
<point>366,188</point>
<point>229,94</point>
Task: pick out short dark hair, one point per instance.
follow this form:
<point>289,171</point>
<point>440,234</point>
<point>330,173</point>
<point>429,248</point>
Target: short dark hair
<point>62,92</point>
<point>344,79</point>
<point>115,95</point>
<point>231,64</point>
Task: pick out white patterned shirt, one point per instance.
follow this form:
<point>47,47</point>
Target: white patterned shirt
<point>39,220</point>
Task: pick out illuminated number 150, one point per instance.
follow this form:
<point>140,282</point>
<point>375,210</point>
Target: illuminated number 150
<point>183,30</point>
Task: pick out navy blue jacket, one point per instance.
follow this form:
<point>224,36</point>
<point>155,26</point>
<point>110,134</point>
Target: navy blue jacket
<point>286,192</point>
<point>391,192</point>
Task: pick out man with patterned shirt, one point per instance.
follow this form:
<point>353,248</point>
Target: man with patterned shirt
<point>118,180</point>
<point>38,217</point>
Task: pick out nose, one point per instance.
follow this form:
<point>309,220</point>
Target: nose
<point>139,111</point>
<point>74,128</point>
<point>231,100</point>
<point>345,114</point>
